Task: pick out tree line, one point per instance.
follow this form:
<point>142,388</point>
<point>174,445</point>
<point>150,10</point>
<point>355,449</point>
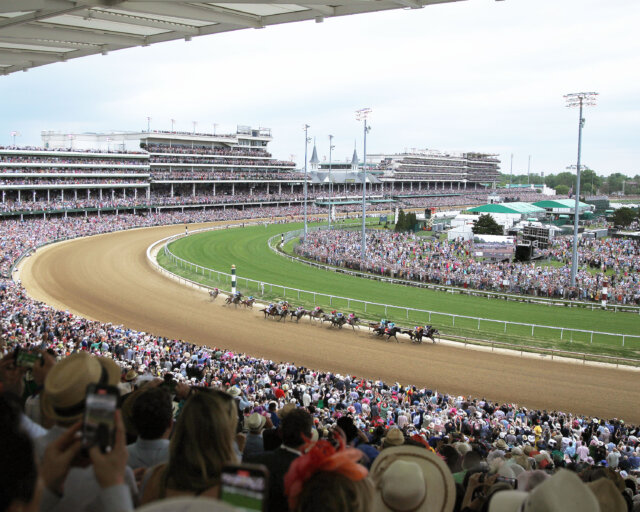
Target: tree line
<point>590,182</point>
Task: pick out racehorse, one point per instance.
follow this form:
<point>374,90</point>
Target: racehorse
<point>431,333</point>
<point>234,299</point>
<point>298,313</point>
<point>388,332</point>
<point>275,311</point>
<point>248,303</point>
<point>316,314</point>
<point>414,334</point>
<point>213,294</point>
<point>353,322</point>
<point>337,320</point>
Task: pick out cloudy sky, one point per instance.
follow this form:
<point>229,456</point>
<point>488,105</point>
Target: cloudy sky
<point>476,75</point>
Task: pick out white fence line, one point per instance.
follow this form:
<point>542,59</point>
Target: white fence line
<point>261,285</point>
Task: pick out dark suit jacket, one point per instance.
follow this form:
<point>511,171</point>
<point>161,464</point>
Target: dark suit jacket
<point>277,462</point>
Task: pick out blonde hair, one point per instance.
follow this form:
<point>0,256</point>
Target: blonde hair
<point>202,442</point>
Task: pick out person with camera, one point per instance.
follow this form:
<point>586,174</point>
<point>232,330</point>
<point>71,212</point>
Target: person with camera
<point>70,450</point>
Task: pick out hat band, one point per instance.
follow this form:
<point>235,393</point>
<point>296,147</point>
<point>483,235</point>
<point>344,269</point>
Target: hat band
<point>78,408</point>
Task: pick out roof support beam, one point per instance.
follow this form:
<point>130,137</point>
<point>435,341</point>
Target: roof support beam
<point>56,32</point>
<point>141,21</point>
<point>190,12</point>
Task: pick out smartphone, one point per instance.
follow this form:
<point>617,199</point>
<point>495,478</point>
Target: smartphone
<point>99,427</point>
<point>245,486</point>
<point>26,359</point>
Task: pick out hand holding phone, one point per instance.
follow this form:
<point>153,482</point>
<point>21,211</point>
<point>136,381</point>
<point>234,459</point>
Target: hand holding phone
<point>98,428</point>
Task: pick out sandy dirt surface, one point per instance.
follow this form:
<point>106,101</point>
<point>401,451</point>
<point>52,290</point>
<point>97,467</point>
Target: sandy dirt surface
<point>108,278</point>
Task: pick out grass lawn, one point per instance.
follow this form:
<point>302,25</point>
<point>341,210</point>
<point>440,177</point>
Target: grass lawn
<point>247,249</point>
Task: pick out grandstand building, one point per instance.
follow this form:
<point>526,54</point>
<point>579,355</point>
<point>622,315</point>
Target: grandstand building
<point>432,169</point>
<point>34,177</point>
<point>80,173</point>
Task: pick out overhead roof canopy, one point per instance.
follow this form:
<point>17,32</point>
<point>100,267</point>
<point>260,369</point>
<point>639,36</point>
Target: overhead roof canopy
<point>38,32</point>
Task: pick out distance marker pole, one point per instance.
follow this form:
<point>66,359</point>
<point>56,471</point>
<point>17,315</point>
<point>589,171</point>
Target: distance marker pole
<point>233,279</point>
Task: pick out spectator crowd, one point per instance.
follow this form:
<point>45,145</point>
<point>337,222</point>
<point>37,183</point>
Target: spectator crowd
<point>329,441</point>
<point>451,263</point>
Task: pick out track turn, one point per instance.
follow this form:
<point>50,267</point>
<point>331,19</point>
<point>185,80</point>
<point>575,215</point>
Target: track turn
<point>108,278</point>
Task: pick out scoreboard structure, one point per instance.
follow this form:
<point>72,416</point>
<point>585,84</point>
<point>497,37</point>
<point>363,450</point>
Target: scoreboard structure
<point>539,236</point>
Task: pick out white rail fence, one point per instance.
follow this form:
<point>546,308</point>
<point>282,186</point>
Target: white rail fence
<point>414,315</point>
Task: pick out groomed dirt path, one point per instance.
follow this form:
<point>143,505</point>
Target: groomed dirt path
<point>108,278</point>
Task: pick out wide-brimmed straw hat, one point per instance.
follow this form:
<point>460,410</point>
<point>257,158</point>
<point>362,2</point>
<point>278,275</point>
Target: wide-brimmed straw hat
<point>564,492</point>
<point>255,422</point>
<point>65,387</point>
<point>410,478</point>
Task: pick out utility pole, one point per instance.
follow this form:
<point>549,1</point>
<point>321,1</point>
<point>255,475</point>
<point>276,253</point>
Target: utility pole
<point>331,146</point>
<point>306,143</point>
<point>529,171</point>
<point>578,99</point>
<point>511,172</point>
<point>361,115</point>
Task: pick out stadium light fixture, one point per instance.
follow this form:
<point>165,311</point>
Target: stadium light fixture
<point>15,134</point>
<point>362,115</point>
<point>148,124</point>
<point>331,147</point>
<point>580,100</point>
<point>306,143</point>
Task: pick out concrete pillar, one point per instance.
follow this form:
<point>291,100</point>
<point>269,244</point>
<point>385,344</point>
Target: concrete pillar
<point>402,186</point>
<point>48,195</point>
<point>149,193</point>
<point>61,194</point>
<point>75,194</point>
<point>411,183</point>
<point>124,193</point>
<point>267,188</point>
<point>279,188</point>
<point>4,195</point>
<point>193,190</point>
<point>135,193</point>
<point>214,189</point>
<point>113,194</point>
<point>292,188</point>
<point>34,196</point>
<point>19,195</point>
<point>172,190</point>
<point>89,193</point>
<point>233,189</point>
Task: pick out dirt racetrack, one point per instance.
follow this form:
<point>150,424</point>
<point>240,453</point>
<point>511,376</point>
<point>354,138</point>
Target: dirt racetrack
<point>108,278</point>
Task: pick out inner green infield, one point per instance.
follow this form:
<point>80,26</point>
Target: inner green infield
<point>247,249</point>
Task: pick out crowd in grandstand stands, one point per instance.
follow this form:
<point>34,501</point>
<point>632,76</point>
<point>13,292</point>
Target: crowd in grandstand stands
<point>451,263</point>
<point>253,162</point>
<point>330,442</point>
<point>69,160</point>
<point>40,148</point>
<point>205,150</point>
<point>72,180</point>
<point>226,175</point>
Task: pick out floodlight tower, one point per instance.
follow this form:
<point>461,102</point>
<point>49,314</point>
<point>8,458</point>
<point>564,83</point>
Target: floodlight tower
<point>306,143</point>
<point>148,124</point>
<point>361,115</point>
<point>578,99</point>
<point>331,147</point>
